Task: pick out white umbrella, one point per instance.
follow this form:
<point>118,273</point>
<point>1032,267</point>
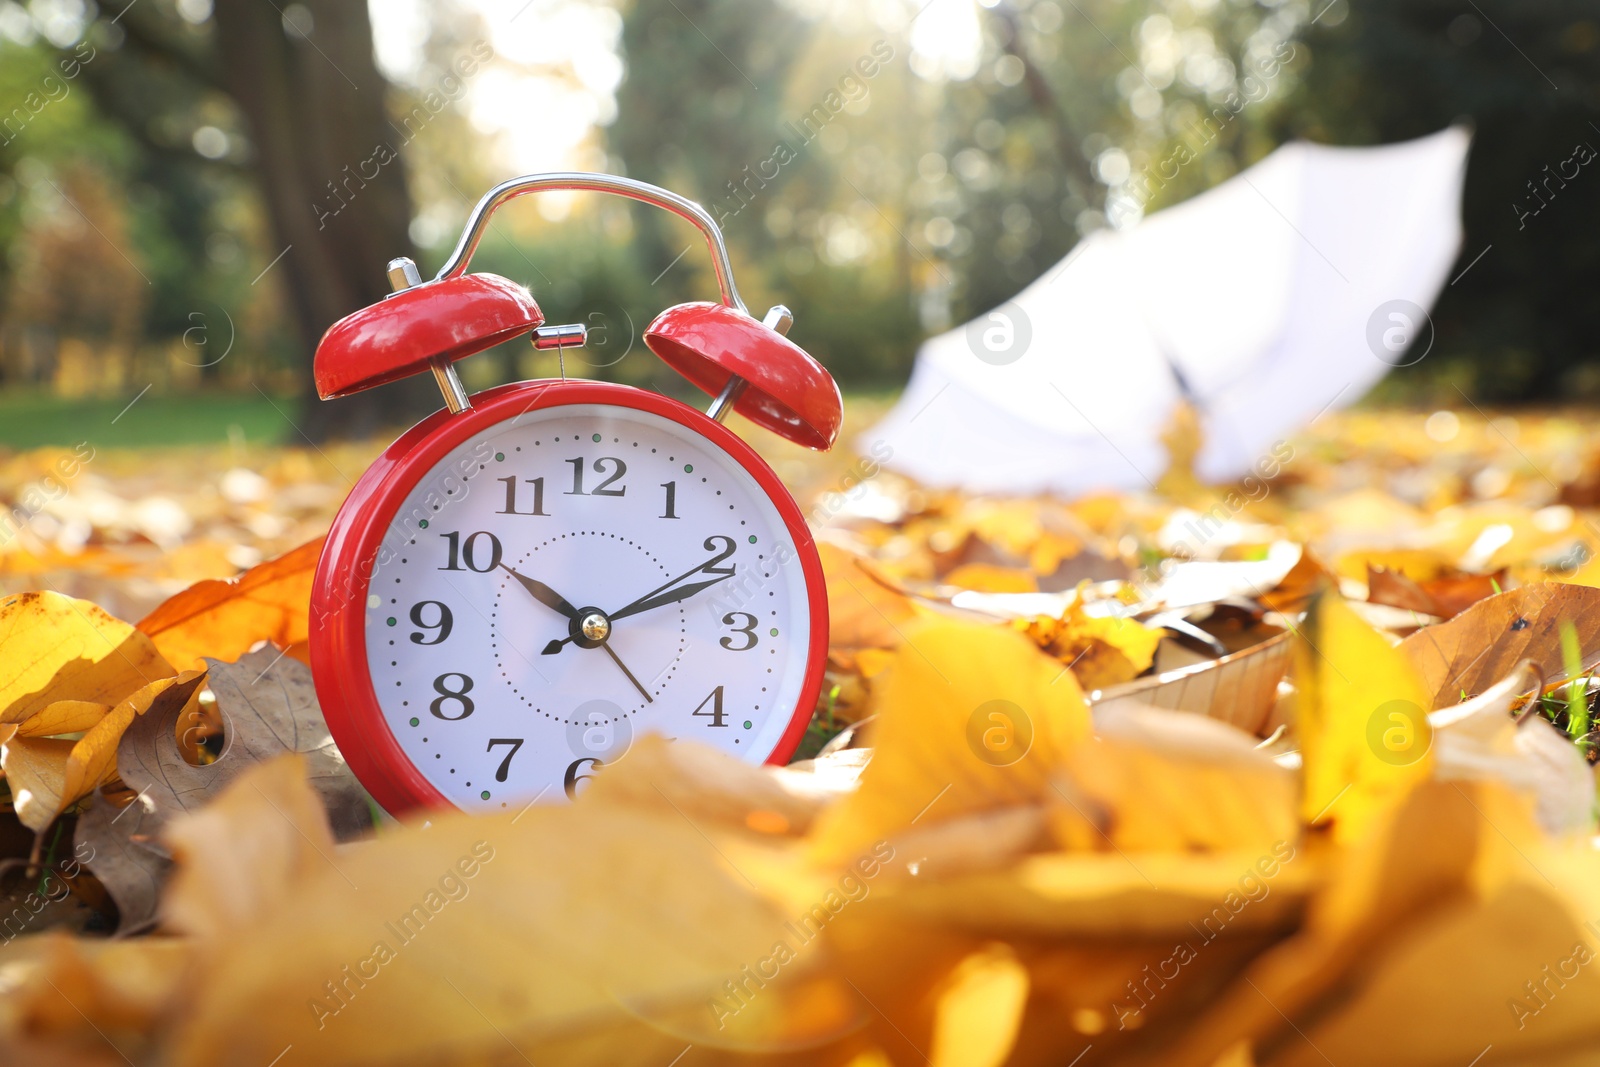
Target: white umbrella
<point>1289,289</point>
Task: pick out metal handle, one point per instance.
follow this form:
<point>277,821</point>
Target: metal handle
<point>596,183</point>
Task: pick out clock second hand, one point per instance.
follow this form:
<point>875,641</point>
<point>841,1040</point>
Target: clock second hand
<point>623,667</point>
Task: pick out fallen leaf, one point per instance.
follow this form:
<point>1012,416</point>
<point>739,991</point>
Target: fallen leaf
<point>1445,595</point>
<point>240,857</point>
<point>269,707</point>
<point>1361,713</point>
<point>1451,904</point>
<point>480,937</point>
<point>225,619</point>
<point>66,649</point>
<point>992,578</point>
<point>48,774</point>
<point>61,717</point>
<point>979,1012</point>
<point>862,611</point>
<point>704,786</point>
<point>971,717</point>
<point>1296,589</point>
<point>55,985</point>
<point>1479,647</point>
<point>1100,650</point>
<point>1154,780</point>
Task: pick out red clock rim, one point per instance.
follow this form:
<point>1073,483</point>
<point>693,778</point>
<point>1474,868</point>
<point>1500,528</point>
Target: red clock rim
<point>339,592</point>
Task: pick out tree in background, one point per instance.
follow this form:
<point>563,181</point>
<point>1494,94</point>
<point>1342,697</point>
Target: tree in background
<point>1522,322</point>
<point>302,110</point>
<point>885,180</point>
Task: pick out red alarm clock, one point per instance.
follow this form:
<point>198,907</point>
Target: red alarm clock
<point>531,578</point>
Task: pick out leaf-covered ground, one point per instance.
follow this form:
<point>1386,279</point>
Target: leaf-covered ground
<point>1296,771</point>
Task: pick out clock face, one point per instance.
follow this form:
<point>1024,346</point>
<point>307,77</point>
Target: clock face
<point>568,579</point>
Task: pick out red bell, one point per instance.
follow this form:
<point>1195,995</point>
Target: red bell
<point>784,390</point>
<point>425,327</point>
<point>748,366</point>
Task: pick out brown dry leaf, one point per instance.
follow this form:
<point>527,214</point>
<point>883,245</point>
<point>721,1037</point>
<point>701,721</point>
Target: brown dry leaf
<point>225,619</point>
<point>480,937</point>
<point>1240,689</point>
<point>66,649</point>
<point>269,707</point>
<point>1172,781</point>
<point>1483,644</point>
<point>971,717</point>
<point>862,611</point>
<point>1445,595</point>
<point>1361,717</point>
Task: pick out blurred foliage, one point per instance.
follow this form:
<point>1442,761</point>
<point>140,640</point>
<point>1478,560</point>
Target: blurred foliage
<point>885,168</point>
<point>1521,324</point>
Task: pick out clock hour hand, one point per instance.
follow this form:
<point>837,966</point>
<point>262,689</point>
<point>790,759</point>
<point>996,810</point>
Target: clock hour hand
<point>543,593</point>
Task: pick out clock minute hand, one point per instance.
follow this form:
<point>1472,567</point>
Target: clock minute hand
<point>660,596</point>
<point>653,600</point>
<point>543,593</point>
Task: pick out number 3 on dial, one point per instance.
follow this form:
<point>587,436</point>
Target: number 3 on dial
<point>747,628</point>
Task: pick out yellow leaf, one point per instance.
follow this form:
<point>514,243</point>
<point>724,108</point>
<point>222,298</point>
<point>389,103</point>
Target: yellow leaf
<point>703,785</point>
<point>62,717</point>
<point>94,755</point>
<point>269,602</point>
<point>1454,881</point>
<point>1362,720</point>
<point>36,767</point>
<point>992,578</point>
<point>862,611</point>
<point>241,855</point>
<point>48,774</point>
<point>1170,780</point>
<point>56,984</point>
<point>978,1015</point>
<point>1102,650</point>
<point>65,649</point>
<point>971,717</point>
<point>618,933</point>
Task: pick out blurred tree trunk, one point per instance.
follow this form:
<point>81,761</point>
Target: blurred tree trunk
<point>330,172</point>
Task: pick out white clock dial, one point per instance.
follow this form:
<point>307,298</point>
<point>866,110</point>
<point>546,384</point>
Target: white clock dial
<point>573,578</point>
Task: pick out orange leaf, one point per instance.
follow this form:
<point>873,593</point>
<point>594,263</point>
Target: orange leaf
<point>862,611</point>
<point>225,619</point>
